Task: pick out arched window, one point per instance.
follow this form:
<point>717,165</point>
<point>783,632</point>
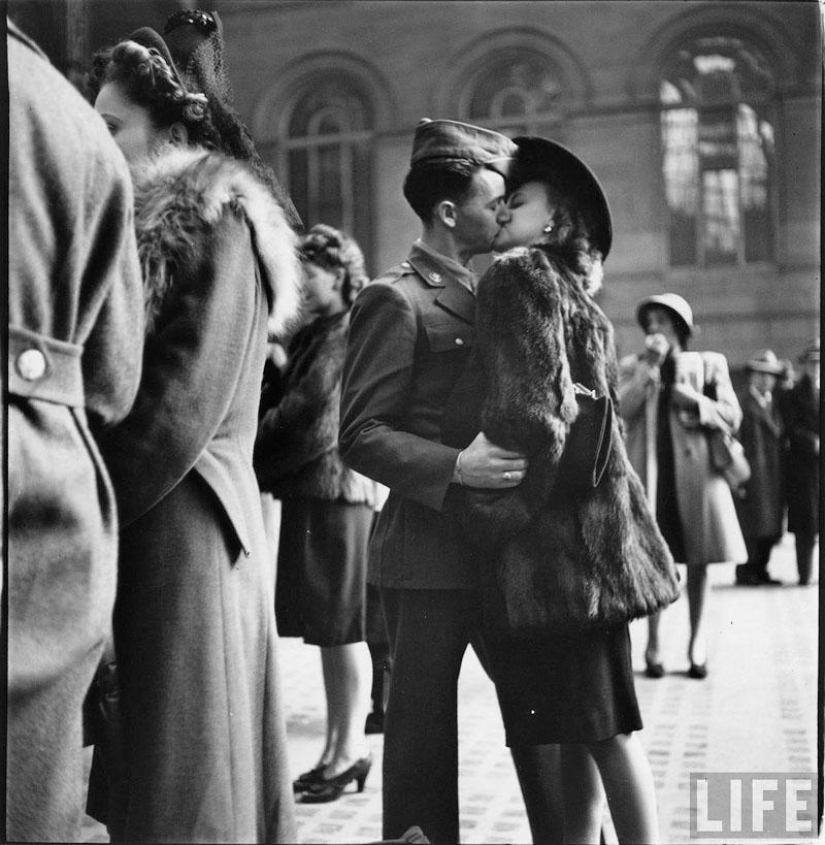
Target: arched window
<point>718,153</point>
<point>516,92</point>
<point>325,154</point>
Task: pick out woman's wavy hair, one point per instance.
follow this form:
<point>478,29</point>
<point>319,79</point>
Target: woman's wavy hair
<point>330,248</point>
<point>148,80</point>
<point>571,238</point>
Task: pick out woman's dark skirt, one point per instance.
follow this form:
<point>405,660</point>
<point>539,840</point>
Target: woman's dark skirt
<point>575,689</point>
<point>322,571</point>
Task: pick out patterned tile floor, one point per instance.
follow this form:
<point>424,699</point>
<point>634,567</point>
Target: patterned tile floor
<point>755,712</point>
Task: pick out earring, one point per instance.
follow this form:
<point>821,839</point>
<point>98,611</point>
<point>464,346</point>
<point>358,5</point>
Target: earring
<point>547,229</point>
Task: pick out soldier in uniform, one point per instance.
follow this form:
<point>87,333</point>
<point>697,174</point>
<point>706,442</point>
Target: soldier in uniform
<point>411,333</point>
<point>75,308</point>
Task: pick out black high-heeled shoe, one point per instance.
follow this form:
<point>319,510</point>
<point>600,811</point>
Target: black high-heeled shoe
<point>699,671</point>
<point>654,670</point>
<point>330,789</point>
<point>305,780</point>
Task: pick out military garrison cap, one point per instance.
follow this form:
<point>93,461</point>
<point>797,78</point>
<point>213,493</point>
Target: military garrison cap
<point>449,140</point>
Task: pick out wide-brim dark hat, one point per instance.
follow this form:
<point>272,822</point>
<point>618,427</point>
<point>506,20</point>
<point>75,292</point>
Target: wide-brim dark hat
<point>677,305</point>
<point>540,159</point>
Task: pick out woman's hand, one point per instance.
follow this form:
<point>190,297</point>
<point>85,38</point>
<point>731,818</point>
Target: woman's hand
<point>684,397</point>
<point>483,464</point>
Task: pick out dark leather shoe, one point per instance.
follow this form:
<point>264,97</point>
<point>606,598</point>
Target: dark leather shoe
<point>654,670</point>
<point>374,723</point>
<point>303,781</point>
<point>746,577</point>
<point>330,789</point>
<point>698,671</point>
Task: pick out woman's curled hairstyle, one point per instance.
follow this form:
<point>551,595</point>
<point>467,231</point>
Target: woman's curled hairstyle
<point>330,248</point>
<point>149,81</point>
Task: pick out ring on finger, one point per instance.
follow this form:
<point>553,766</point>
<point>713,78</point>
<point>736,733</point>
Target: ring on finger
<point>507,475</point>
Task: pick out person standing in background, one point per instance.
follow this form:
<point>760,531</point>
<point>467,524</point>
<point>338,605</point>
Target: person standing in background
<point>204,738</point>
<point>327,511</point>
<point>75,308</point>
<point>669,398</point>
<point>760,504</point>
<point>800,411</point>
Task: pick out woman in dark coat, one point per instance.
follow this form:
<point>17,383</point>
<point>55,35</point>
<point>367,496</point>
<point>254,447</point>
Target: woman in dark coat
<point>194,628</point>
<point>562,669</point>
<point>800,410</point>
<point>760,504</point>
<point>326,513</point>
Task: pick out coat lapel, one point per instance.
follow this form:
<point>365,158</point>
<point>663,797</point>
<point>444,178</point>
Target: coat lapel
<point>458,300</point>
<point>454,297</point>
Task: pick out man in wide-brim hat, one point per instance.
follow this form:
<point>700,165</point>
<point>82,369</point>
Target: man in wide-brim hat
<point>800,411</point>
<point>761,506</point>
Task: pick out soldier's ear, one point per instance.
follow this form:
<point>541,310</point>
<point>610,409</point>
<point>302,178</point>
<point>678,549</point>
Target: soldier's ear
<point>445,213</point>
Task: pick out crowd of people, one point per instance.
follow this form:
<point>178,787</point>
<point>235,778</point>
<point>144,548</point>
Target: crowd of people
<point>179,345</point>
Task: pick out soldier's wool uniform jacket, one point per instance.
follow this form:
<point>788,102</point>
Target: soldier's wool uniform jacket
<point>411,332</point>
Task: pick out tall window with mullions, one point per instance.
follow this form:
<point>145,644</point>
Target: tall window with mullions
<point>718,148</point>
<point>517,92</point>
<point>327,156</point>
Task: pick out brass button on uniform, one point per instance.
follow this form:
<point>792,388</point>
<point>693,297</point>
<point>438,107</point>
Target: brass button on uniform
<point>435,277</point>
<point>31,364</point>
<point>405,264</point>
<point>459,342</point>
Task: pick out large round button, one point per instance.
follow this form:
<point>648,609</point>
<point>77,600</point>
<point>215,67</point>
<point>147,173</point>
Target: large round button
<point>31,364</point>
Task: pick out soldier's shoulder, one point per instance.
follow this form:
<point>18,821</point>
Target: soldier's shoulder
<point>395,274</point>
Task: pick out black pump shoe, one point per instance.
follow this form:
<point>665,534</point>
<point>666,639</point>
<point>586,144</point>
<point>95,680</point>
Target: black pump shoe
<point>698,671</point>
<point>330,789</point>
<point>654,670</point>
<point>303,782</point>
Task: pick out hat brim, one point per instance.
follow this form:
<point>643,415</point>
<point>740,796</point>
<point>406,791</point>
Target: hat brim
<point>656,301</point>
<point>764,367</point>
<point>540,159</point>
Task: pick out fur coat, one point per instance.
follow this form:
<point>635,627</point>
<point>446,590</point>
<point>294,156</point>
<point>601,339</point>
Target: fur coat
<point>296,451</point>
<point>560,561</point>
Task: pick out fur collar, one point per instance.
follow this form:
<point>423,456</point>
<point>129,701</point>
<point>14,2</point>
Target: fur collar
<point>184,189</point>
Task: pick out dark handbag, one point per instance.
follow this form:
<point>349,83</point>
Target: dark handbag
<point>727,456</point>
<point>588,444</point>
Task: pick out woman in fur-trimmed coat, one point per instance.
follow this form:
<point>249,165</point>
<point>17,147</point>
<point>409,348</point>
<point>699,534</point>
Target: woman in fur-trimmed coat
<point>552,558</point>
<point>204,745</point>
<point>327,509</point>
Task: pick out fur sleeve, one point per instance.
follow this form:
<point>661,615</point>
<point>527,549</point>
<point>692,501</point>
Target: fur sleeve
<point>529,403</point>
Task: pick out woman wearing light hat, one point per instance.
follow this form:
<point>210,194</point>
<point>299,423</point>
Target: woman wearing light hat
<point>800,410</point>
<point>668,398</point>
<point>760,504</point>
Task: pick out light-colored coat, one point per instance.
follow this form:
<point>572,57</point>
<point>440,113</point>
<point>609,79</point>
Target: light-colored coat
<point>706,509</point>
